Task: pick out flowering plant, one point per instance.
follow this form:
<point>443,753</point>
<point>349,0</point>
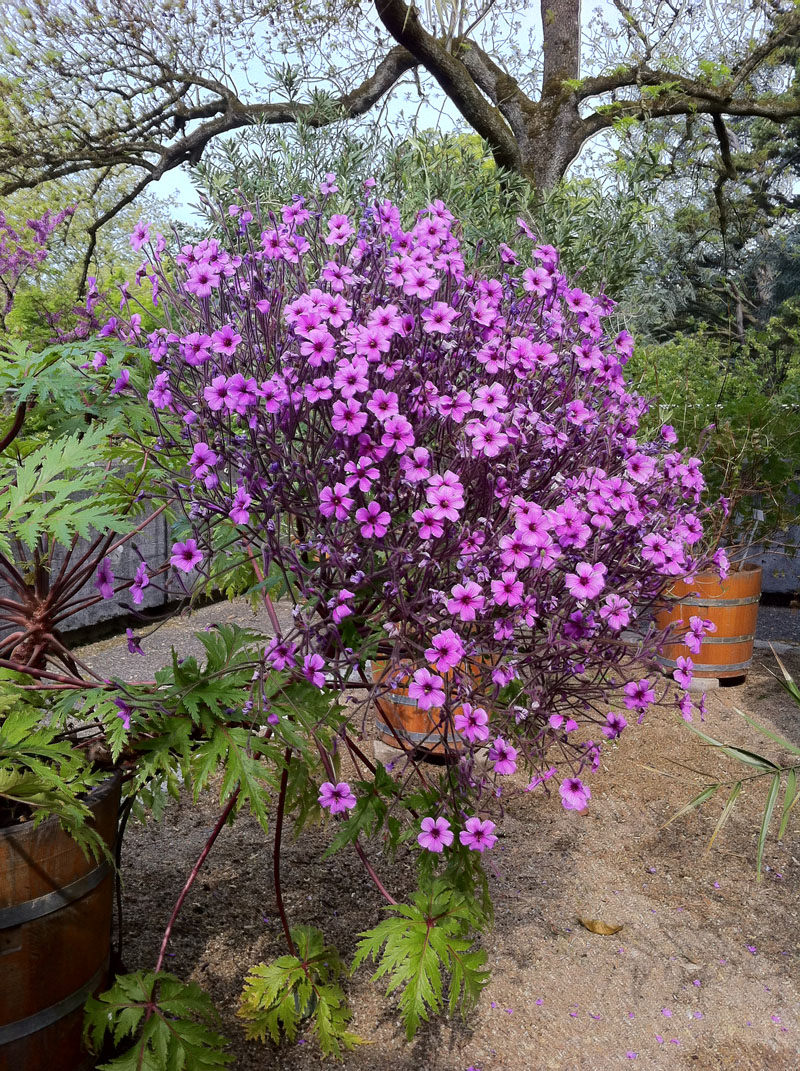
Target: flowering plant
<point>440,471</point>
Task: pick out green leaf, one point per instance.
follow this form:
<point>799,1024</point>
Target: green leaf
<point>697,801</point>
<point>172,1024</point>
<point>793,748</point>
<point>727,810</point>
<point>279,996</point>
<point>772,795</point>
<point>790,799</point>
<point>425,938</point>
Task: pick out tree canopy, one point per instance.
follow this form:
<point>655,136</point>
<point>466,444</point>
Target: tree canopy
<point>107,84</point>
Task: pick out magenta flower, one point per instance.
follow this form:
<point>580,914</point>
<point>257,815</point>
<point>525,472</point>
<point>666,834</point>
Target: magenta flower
<point>472,723</point>
<point>467,600</point>
<point>280,654</point>
<point>336,798</point>
<point>436,834</point>
<point>121,382</point>
<point>446,650</point>
<point>123,712</point>
<point>615,723</point>
<point>139,237</point>
<point>335,501</point>
<point>616,610</point>
<point>574,794</point>
<point>439,318</point>
<point>186,555</point>
<point>104,579</point>
<point>427,688</point>
<point>587,581</point>
<point>313,665</point>
<point>683,671</point>
<point>374,520</point>
<point>140,582</point>
<point>504,756</point>
<point>478,836</point>
<point>638,695</point>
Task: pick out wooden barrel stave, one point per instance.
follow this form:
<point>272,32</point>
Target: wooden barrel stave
<point>424,729</point>
<point>55,929</point>
<point>732,605</point>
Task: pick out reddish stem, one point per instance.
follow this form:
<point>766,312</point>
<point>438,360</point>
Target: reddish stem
<point>276,851</point>
<point>223,818</point>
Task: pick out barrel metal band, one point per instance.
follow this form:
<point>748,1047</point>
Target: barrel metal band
<point>727,639</point>
<point>712,603</point>
<point>431,739</point>
<point>401,700</point>
<point>47,1016</point>
<point>29,910</point>
<point>702,667</point>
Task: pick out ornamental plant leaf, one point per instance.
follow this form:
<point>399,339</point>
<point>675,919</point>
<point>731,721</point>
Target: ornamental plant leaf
<point>278,997</point>
<point>427,937</point>
<point>60,490</point>
<point>172,1025</point>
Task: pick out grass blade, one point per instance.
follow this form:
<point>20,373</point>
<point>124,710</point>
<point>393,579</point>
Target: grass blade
<point>698,801</point>
<point>727,811</point>
<point>793,748</point>
<point>772,795</point>
<point>790,799</point>
<point>750,758</point>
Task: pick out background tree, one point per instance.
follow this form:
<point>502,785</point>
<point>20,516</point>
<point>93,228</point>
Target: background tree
<point>104,83</point>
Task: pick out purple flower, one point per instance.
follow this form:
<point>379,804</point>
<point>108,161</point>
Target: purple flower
<point>374,520</point>
<point>104,579</point>
<point>446,650</point>
<point>336,798</point>
<point>467,600</point>
<point>134,642</point>
<point>185,556</point>
<point>121,382</point>
<point>683,671</point>
<point>436,834</point>
<point>313,665</point>
<point>478,836</point>
<point>504,756</point>
<point>140,581</point>
<point>615,723</point>
<point>472,723</point>
<point>639,695</point>
<point>335,501</point>
<point>574,794</point>
<point>280,654</point>
<point>140,236</point>
<point>123,712</point>
<point>587,581</point>
<point>427,688</point>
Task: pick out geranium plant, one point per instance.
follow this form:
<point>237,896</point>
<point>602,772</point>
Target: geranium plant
<point>441,472</point>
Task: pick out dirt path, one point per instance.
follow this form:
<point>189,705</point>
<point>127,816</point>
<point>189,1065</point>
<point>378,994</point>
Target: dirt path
<point>704,973</point>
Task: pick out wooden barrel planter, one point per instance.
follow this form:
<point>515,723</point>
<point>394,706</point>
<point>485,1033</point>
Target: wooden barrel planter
<point>55,937</point>
<point>732,604</point>
<point>402,725</point>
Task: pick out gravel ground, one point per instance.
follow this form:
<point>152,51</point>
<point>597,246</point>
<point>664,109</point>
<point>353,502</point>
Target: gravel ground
<point>703,974</point>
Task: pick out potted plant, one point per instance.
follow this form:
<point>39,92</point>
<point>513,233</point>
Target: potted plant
<point>433,467</point>
<point>716,404</point>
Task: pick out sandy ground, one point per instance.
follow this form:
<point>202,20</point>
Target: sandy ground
<point>704,973</point>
